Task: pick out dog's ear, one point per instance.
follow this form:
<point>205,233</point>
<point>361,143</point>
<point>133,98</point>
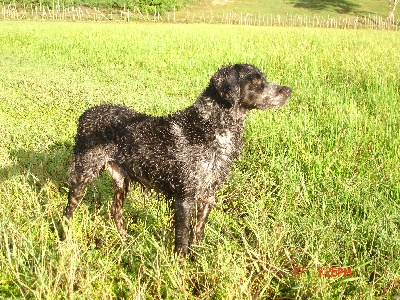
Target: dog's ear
<point>226,83</point>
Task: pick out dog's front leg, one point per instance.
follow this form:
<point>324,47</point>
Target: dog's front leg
<point>183,215</point>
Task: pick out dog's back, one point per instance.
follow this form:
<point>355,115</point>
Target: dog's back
<point>103,124</point>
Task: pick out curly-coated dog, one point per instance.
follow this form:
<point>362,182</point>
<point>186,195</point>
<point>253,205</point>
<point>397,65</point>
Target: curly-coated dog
<point>186,155</point>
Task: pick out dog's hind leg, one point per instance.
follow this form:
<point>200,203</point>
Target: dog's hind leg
<point>78,183</point>
<point>121,184</point>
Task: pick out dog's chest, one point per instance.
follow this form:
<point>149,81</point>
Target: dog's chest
<point>205,155</point>
<point>224,146</point>
<point>214,163</point>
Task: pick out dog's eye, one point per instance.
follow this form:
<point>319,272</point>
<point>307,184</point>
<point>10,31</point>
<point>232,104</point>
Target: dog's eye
<point>256,81</point>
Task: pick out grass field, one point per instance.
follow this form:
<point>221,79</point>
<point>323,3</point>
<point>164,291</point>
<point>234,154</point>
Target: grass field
<point>317,184</point>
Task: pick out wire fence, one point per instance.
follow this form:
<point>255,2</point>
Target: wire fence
<point>59,12</point>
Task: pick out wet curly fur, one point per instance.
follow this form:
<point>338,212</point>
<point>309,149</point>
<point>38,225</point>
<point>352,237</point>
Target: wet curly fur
<point>186,155</point>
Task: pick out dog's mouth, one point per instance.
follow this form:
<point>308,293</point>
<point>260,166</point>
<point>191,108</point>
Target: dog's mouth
<point>285,90</point>
<point>282,95</point>
<point>272,95</point>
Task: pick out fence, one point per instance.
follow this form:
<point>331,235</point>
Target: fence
<point>356,22</point>
<point>59,12</point>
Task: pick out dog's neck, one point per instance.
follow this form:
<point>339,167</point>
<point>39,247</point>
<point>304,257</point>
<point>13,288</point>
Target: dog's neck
<point>210,105</point>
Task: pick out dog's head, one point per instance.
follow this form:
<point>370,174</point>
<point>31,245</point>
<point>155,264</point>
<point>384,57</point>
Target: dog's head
<point>245,85</point>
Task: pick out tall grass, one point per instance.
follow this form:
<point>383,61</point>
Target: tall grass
<point>317,183</point>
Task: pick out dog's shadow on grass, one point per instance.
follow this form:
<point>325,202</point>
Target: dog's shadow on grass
<point>39,168</point>
<point>45,174</point>
<point>41,176</point>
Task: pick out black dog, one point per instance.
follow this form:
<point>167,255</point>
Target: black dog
<point>186,155</point>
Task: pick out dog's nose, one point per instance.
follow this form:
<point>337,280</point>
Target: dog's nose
<point>285,90</point>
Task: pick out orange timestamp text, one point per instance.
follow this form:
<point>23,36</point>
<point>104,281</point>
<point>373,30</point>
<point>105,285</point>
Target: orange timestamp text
<point>328,272</point>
